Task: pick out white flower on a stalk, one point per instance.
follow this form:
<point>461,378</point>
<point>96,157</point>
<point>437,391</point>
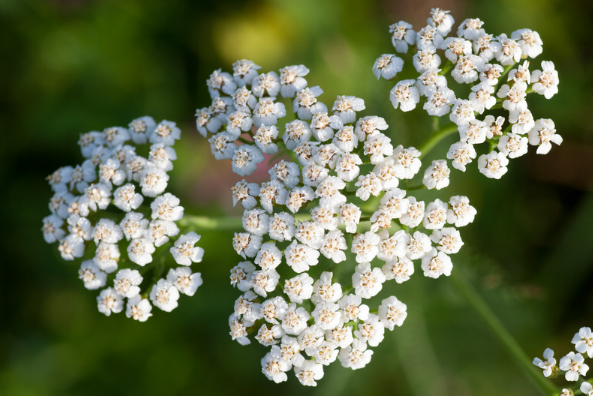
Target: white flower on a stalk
<point>461,154</point>
<point>466,69</point>
<point>513,145</point>
<point>367,281</point>
<point>153,181</point>
<point>327,315</point>
<point>447,239</point>
<point>126,283</point>
<point>430,81</point>
<point>522,119</point>
<point>286,172</point>
<point>435,216</point>
<point>281,227</point>
<point>437,175</point>
<point>238,328</point>
<point>470,28</point>
<point>140,251</point>
<point>506,50</point>
<point>91,275</point>
<point>425,60</point>
<point>52,230</point>
<point>269,256</point>
<point>439,102</point>
<point>407,163</point>
<point>428,38</point>
<point>392,312</point>
<point>185,252</point>
<point>529,41</point>
<point>300,257</point>
<point>326,291</point>
<point>159,231</point>
<point>548,365</point>
<point>490,73</point>
<point>543,135</point>
<point>109,301</point>
<point>474,132</point>
<point>245,193</point>
<point>244,71</point>
<point>110,172</point>
<point>482,97</point>
<point>305,103</point>
<point>292,81</point>
<point>222,146</point>
<point>513,96</point>
<point>355,356</point>
<point>493,164</point>
<point>346,107</point>
<point>106,256</point>
<point>460,212</point>
<point>387,66</point>
<point>398,268</point>
<point>350,217</point>
<point>545,81</point>
<point>405,95</point>
<point>309,372</point>
<point>417,245</point>
<point>455,47</point>
<point>241,275</point>
<point>295,320</point>
<point>126,198</point>
<point>441,20</point>
<point>264,281</point>
<point>268,336</point>
<point>494,126</point>
<point>574,366</point>
<point>267,112</point>
<point>166,132</point>
<point>296,132</point>
<point>138,308</point>
<point>246,244</point>
<point>107,231</point>
<point>366,246</point>
<point>274,309</point>
<point>245,160</point>
<point>462,112</point>
<point>220,81</point>
<point>334,245</point>
<point>435,264</point>
<point>368,185</point>
<point>164,295</point>
<point>266,83</point>
<point>402,35</point>
<point>264,139</point>
<point>184,280</point>
<point>274,367</point>
<point>299,288</point>
<point>415,213</point>
<point>583,341</point>
<point>372,330</point>
<point>392,247</point>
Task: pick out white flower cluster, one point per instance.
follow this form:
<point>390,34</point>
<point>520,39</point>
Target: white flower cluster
<point>573,364</point>
<point>497,70</point>
<point>310,216</point>
<point>116,201</point>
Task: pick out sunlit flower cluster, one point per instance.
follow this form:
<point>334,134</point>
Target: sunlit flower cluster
<point>573,364</point>
<point>498,71</point>
<point>114,214</point>
<point>312,217</point>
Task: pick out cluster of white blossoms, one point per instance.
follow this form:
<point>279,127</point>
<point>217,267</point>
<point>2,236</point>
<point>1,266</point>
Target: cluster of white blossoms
<point>116,201</point>
<point>497,70</point>
<point>308,221</point>
<point>573,364</point>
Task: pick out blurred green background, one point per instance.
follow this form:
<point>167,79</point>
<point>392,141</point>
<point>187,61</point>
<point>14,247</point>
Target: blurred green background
<point>70,66</point>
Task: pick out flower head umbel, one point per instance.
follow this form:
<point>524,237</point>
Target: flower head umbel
<point>498,77</point>
<point>113,211</point>
<point>306,222</point>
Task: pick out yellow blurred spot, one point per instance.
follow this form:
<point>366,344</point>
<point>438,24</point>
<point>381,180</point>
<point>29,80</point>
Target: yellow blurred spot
<point>263,35</point>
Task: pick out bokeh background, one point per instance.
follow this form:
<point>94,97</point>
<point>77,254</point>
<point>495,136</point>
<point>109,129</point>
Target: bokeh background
<point>70,66</point>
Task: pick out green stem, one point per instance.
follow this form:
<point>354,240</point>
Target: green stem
<point>436,138</point>
<point>503,336</point>
<point>211,223</point>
